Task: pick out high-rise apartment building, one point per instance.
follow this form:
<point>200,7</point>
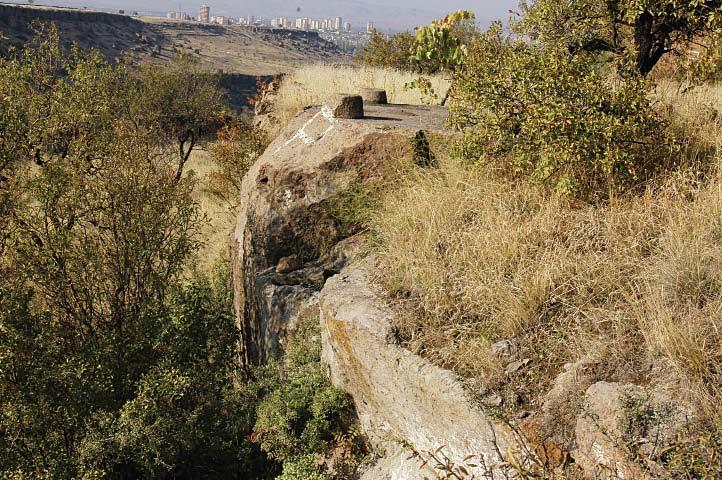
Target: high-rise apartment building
<point>204,14</point>
<point>337,23</point>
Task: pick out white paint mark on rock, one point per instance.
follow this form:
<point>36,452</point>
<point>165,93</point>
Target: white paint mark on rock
<point>307,139</point>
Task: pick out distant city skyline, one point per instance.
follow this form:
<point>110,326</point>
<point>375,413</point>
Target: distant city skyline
<point>387,15</point>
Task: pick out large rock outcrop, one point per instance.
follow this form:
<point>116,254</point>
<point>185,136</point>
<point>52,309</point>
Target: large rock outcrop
<point>401,399</point>
<point>283,246</point>
<point>295,256</point>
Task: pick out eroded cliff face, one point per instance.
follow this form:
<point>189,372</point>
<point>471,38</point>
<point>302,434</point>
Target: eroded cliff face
<point>285,241</point>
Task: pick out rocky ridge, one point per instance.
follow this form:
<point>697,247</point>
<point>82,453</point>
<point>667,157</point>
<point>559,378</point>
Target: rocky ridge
<point>294,258</point>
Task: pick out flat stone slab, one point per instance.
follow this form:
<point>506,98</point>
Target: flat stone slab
<point>419,117</point>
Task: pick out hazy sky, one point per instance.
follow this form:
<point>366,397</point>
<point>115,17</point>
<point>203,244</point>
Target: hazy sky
<point>386,14</point>
<point>487,8</point>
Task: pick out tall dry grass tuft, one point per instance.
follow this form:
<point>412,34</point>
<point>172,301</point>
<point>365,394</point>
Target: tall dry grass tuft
<point>313,84</point>
<point>695,115</point>
<point>680,306</point>
<point>634,284</point>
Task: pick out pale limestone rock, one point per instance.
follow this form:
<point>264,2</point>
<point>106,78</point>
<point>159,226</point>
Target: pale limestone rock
<point>602,431</point>
<point>398,395</point>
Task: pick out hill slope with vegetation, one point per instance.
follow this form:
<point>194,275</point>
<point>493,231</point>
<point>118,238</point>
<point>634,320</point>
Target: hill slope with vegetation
<point>232,49</point>
<point>561,252</point>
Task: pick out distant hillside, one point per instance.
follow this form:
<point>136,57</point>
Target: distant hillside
<point>244,53</point>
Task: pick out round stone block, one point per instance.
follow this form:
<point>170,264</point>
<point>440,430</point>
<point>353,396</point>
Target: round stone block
<point>344,105</point>
<point>374,96</point>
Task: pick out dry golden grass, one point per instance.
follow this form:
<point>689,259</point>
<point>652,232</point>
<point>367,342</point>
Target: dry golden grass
<point>313,84</point>
<point>635,284</point>
<point>220,216</point>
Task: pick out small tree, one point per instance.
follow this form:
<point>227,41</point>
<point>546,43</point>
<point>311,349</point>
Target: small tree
<point>180,104</point>
<point>637,33</point>
<point>555,119</point>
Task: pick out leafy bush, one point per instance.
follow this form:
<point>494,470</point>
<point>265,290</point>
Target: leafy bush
<point>442,45</point>
<point>557,119</point>
<point>388,51</point>
<point>304,467</point>
<point>113,363</point>
<point>303,416</point>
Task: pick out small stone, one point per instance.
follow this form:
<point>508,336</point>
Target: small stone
<point>288,264</point>
<point>493,400</point>
<point>344,105</point>
<point>516,366</point>
<point>503,349</point>
<point>374,96</point>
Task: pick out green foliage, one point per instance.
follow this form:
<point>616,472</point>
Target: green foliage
<point>304,467</point>
<point>303,415</point>
<point>443,42</point>
<point>556,119</point>
<point>440,46</point>
<point>185,417</point>
<point>388,51</point>
<point>636,34</point>
<point>186,414</point>
<point>112,363</point>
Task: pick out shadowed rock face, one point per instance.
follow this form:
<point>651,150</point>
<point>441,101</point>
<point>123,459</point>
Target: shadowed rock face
<point>286,212</point>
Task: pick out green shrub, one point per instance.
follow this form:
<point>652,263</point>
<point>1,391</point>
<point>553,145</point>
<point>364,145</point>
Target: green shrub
<point>393,51</point>
<point>303,415</point>
<point>559,120</point>
<point>304,467</point>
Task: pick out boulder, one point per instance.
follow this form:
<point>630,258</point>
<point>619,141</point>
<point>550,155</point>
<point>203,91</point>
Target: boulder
<point>284,244</point>
<point>344,105</point>
<point>399,396</point>
<point>550,429</point>
<point>623,428</point>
